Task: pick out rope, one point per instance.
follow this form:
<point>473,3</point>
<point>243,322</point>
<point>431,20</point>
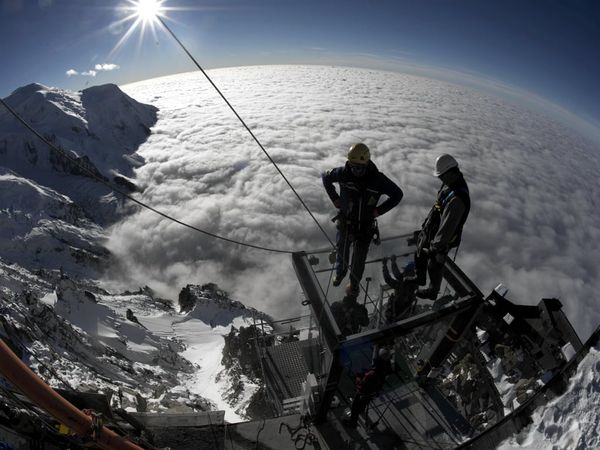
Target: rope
<point>247,128</point>
<point>129,197</point>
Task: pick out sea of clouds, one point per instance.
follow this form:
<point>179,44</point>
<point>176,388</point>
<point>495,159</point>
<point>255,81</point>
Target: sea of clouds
<point>534,223</point>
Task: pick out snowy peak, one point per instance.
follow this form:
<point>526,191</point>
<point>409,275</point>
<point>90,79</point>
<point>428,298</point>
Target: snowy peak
<point>28,90</point>
<point>43,106</point>
<point>101,123</point>
<point>94,347</point>
<point>119,120</point>
<point>100,127</point>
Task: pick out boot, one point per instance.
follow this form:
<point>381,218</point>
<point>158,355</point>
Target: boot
<point>337,279</point>
<point>352,291</point>
<point>427,293</point>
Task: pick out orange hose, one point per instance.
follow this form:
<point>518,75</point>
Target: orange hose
<point>17,372</point>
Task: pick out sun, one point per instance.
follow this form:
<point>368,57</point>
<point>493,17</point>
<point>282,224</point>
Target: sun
<point>142,15</point>
<point>147,10</point>
<point>138,16</point>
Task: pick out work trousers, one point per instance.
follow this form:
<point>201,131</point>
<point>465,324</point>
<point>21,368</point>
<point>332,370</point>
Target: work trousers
<point>348,237</point>
<point>359,405</point>
<point>424,265</point>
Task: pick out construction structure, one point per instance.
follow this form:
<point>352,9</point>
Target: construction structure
<point>462,363</point>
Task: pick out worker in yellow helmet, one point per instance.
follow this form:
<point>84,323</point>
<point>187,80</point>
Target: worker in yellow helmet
<point>361,186</point>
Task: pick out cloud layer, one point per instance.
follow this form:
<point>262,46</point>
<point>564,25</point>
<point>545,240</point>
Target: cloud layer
<point>533,226</point>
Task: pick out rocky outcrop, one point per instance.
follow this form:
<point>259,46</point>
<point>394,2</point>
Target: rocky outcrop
<point>213,305</point>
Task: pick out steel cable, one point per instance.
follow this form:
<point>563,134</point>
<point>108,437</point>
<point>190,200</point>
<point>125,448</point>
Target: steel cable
<point>246,127</point>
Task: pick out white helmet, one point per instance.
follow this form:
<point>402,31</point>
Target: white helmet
<point>443,164</point>
<point>384,353</point>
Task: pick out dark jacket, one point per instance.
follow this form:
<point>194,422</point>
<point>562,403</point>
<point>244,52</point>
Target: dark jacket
<point>372,381</point>
<point>359,196</point>
<point>442,230</point>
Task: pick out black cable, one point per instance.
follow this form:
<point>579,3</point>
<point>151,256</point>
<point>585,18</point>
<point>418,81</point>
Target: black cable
<point>247,128</point>
<point>10,394</point>
<point>133,199</point>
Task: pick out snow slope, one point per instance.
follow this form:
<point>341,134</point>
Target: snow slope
<point>42,228</point>
<point>76,334</point>
<point>571,421</point>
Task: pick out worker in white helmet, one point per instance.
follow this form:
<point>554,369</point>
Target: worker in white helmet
<point>442,230</point>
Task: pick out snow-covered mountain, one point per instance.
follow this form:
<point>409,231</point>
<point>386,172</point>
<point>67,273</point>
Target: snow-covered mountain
<point>51,211</point>
<point>101,127</point>
<point>52,216</point>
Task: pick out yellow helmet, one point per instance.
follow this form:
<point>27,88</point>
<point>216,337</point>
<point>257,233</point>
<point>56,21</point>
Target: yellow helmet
<point>359,154</point>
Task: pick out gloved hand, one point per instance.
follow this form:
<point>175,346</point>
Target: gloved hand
<point>337,203</point>
<point>440,257</point>
<point>375,213</point>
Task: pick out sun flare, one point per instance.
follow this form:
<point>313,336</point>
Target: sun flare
<point>148,10</point>
<point>137,17</point>
<point>141,15</point>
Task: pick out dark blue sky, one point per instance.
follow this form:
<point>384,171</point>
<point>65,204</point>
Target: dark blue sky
<point>550,48</point>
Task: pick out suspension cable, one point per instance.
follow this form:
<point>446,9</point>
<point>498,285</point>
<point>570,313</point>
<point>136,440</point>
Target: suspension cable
<point>130,197</point>
<point>247,128</point>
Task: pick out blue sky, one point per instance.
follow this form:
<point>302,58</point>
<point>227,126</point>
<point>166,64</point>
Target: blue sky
<point>549,48</point>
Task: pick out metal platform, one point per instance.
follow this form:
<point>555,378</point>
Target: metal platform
<point>433,343</point>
